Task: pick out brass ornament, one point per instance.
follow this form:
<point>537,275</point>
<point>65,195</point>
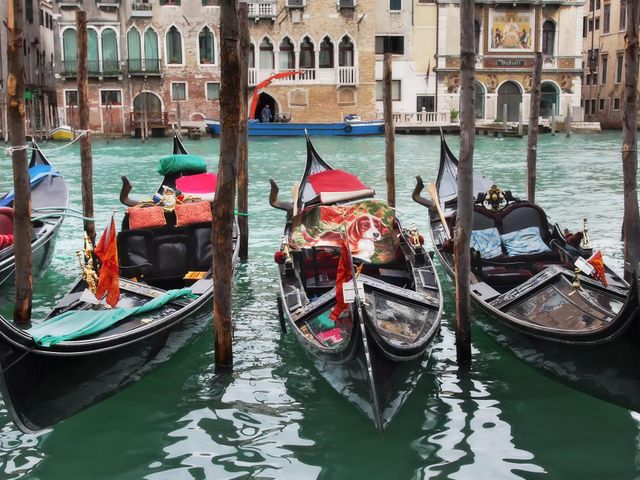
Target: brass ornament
<point>85,257</point>
<point>585,244</point>
<point>495,198</point>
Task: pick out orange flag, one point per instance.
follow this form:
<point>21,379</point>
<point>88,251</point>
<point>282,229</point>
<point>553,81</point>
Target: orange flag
<point>598,264</point>
<point>343,276</point>
<point>107,253</point>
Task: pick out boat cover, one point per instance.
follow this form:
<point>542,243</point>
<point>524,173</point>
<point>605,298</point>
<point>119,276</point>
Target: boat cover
<point>36,175</point>
<point>368,225</point>
<point>337,185</point>
<point>80,323</point>
<point>181,163</point>
<point>202,185</point>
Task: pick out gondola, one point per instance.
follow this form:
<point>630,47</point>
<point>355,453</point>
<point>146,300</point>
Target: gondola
<point>49,374</point>
<point>49,200</point>
<point>372,352</point>
<point>542,302</point>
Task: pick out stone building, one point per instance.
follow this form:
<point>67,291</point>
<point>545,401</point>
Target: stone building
<point>507,35</point>
<point>330,44</point>
<point>154,61</point>
<point>604,27</point>
<point>410,27</point>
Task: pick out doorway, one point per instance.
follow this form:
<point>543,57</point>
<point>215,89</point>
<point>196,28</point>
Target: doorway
<point>509,94</point>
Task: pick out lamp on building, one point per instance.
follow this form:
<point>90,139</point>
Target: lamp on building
<point>593,62</point>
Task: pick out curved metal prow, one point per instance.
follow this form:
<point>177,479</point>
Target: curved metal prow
<point>273,199</point>
<point>419,198</point>
<point>124,193</point>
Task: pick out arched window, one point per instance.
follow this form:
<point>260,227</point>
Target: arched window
<point>307,56</point>
<point>479,100</point>
<point>252,56</point>
<point>345,52</point>
<point>134,51</point>
<point>476,35</point>
<point>286,58</point>
<point>70,50</point>
<point>206,43</point>
<point>110,60</point>
<point>266,54</point>
<point>548,38</point>
<point>174,46</point>
<point>326,53</point>
<point>509,94</point>
<point>151,53</point>
<point>93,59</point>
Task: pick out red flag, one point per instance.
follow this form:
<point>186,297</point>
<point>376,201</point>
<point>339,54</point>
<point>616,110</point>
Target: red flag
<point>426,77</point>
<point>598,264</point>
<point>343,276</point>
<point>107,253</point>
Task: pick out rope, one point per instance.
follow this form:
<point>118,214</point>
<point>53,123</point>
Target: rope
<point>8,151</point>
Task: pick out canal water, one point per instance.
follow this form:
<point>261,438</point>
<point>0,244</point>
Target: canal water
<point>274,417</point>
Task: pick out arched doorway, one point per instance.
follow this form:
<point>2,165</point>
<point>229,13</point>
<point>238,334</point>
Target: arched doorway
<point>479,100</point>
<point>149,105</point>
<point>263,100</point>
<point>509,94</point>
<point>549,96</point>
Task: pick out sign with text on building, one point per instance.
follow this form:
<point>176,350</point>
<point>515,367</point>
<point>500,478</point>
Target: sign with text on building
<point>509,62</point>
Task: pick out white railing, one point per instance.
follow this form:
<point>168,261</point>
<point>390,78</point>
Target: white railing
<point>421,118</point>
<point>347,76</point>
<point>264,9</point>
<point>253,76</point>
<point>307,74</point>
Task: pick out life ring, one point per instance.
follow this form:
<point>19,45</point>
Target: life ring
<point>348,128</point>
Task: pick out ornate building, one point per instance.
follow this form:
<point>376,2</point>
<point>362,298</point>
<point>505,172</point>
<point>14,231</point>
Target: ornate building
<point>507,35</point>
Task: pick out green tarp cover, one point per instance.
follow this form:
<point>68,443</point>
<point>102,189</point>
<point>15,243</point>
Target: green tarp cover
<point>80,323</point>
<point>181,163</point>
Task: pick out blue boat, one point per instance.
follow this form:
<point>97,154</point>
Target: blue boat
<point>294,129</point>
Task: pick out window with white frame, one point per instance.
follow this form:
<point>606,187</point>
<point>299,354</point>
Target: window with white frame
<point>213,91</point>
<point>111,97</point>
<point>179,91</point>
<point>174,46</point>
<point>395,90</point>
<point>395,5</point>
<point>71,98</point>
<point>206,43</point>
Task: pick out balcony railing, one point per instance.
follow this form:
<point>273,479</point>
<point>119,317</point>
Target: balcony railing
<point>154,119</point>
<point>347,76</point>
<point>139,9</point>
<point>95,68</point>
<point>306,74</point>
<point>140,66</point>
<point>262,9</point>
<point>253,77</point>
<point>421,118</point>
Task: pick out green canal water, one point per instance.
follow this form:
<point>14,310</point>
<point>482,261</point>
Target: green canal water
<point>274,417</point>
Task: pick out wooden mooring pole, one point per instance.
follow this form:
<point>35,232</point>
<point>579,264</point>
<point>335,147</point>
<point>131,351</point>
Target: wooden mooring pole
<point>389,134</point>
<point>631,221</point>
<point>532,133</point>
<point>243,159</point>
<point>223,205</point>
<point>86,161</point>
<point>462,232</point>
<point>22,229</point>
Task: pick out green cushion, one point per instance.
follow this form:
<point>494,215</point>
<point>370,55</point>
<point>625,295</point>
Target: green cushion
<point>181,163</point>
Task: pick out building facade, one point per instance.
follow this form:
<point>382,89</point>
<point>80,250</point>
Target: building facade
<point>507,35</point>
<point>604,28</point>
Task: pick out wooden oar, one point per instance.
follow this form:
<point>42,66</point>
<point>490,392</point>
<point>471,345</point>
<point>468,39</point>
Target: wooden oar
<point>433,191</point>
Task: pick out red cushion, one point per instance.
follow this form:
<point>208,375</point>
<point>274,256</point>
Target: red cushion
<point>335,181</point>
<point>145,217</point>
<point>193,212</point>
<point>6,220</point>
<point>5,241</point>
<point>201,183</point>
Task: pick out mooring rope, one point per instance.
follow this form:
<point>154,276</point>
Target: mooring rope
<point>8,151</point>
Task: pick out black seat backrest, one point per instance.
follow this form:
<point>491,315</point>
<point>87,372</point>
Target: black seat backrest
<point>201,235</point>
<point>481,221</point>
<point>134,249</point>
<point>524,215</point>
<point>172,255</point>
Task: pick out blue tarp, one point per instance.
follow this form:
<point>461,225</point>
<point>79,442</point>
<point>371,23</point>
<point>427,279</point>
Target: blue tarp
<point>80,323</point>
<point>36,175</point>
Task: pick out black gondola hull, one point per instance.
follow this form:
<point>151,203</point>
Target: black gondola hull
<point>41,388</point>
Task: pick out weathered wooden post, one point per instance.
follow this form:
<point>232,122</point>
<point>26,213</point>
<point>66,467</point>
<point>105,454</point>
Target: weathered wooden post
<point>567,120</point>
<point>520,119</point>
<point>505,111</point>
<point>223,205</point>
<point>86,161</point>
<point>553,119</point>
<point>631,223</point>
<point>462,233</point>
<point>389,133</point>
<point>179,115</point>
<point>22,229</point>
<point>243,160</point>
<point>532,134</point>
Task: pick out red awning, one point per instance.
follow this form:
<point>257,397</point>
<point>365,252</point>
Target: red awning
<point>200,183</point>
<point>335,181</point>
